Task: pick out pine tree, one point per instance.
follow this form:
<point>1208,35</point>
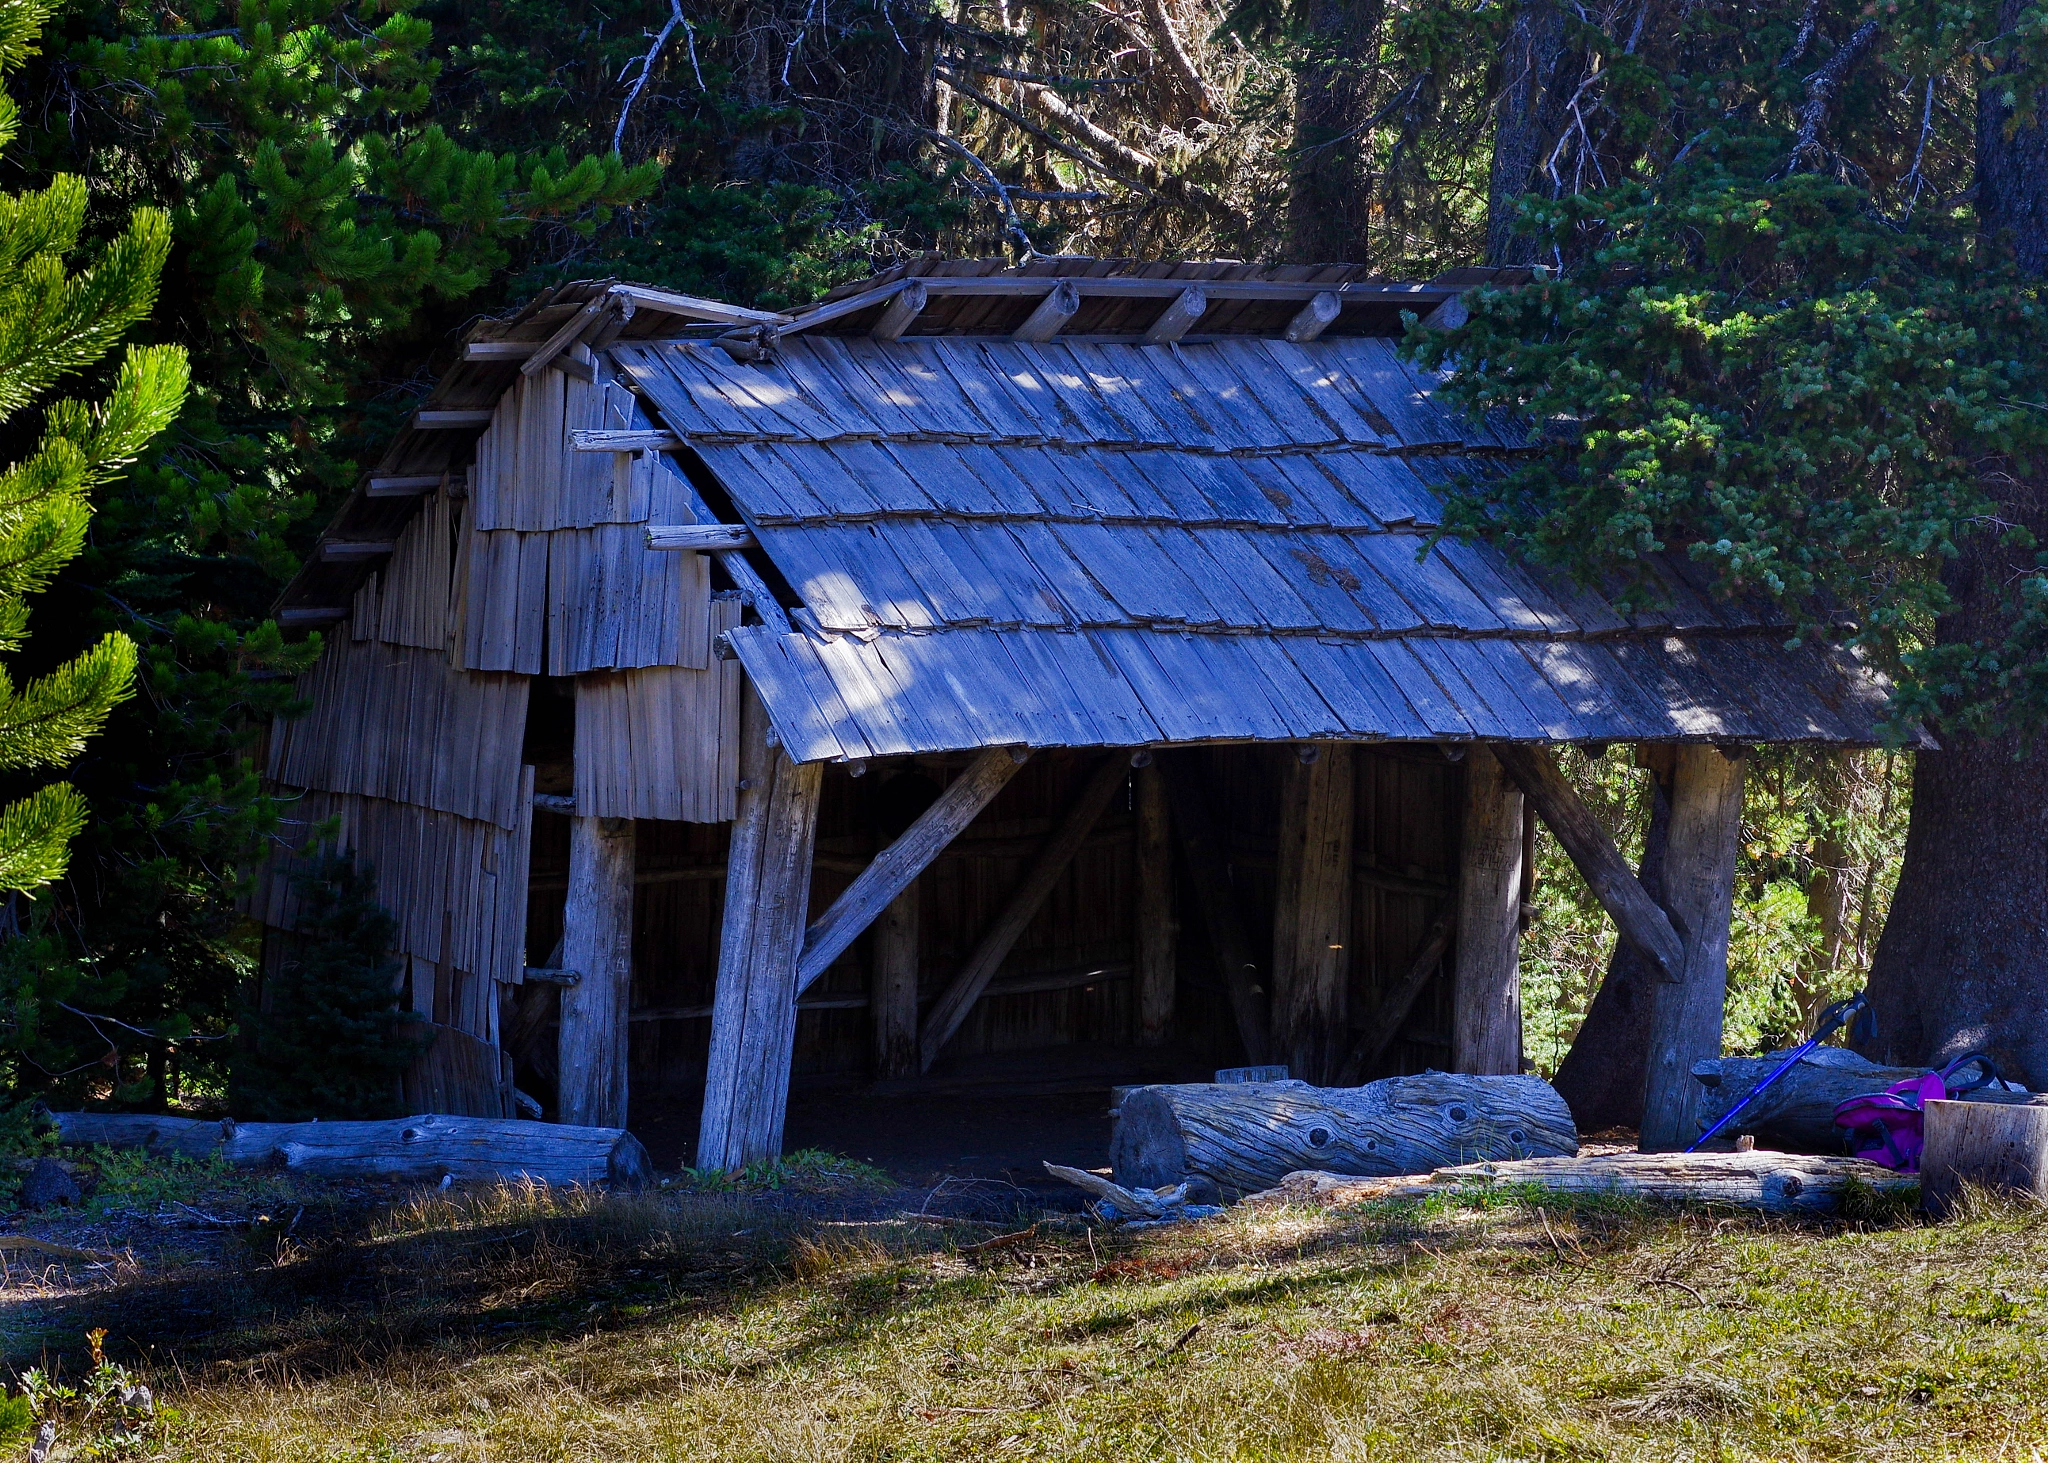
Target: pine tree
<point>54,323</point>
<point>329,1041</point>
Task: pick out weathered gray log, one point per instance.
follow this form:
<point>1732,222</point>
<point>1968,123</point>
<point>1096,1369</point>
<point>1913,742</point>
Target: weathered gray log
<point>426,1147</point>
<point>1248,1136</point>
<point>1607,875</point>
<point>2002,1147</point>
<point>1486,1014</point>
<point>1699,893</point>
<point>1312,911</point>
<point>1778,1182</point>
<point>753,1004</point>
<point>1797,1112</point>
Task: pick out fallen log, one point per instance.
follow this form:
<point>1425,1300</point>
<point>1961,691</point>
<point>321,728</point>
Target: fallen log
<point>1247,1136</point>
<point>1797,1112</point>
<point>430,1147</point>
<point>1781,1183</point>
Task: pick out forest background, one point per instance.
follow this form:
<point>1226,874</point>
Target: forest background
<point>349,185</point>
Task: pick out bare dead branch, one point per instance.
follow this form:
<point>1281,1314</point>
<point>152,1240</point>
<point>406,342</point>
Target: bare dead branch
<point>1178,60</point>
<point>1820,93</point>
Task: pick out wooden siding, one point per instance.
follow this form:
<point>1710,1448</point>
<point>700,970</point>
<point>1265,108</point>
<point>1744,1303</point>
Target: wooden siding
<point>553,573</point>
<point>456,887</point>
<point>402,725</point>
<point>661,742</point>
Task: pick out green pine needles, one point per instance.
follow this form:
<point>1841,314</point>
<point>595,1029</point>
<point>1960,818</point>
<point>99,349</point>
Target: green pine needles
<point>55,322</point>
<point>329,1041</point>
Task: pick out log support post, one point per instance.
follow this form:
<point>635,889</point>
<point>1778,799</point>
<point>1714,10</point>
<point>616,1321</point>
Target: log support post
<point>1312,911</point>
<point>597,943</point>
<point>892,1001</point>
<point>1699,891</point>
<point>1486,1023</point>
<point>767,895</point>
<point>1156,969</point>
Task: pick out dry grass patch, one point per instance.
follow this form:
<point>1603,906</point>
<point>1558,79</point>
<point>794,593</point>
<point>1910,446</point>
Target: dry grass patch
<point>1398,1332</point>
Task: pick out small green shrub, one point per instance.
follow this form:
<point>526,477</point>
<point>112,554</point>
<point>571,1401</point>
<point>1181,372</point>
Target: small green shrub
<point>17,1416</point>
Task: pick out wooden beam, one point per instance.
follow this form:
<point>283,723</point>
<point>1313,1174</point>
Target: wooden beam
<point>311,614</point>
<point>572,331</point>
<point>1392,1015</point>
<point>1156,966</point>
<point>1201,846</point>
<point>498,350</point>
<point>1061,303</point>
<point>1312,319</point>
<point>1486,1013</point>
<point>893,986</point>
<point>1179,317</point>
<point>1599,863</point>
<point>767,890</point>
<point>691,307</point>
<point>1053,857</point>
<point>354,551</point>
<point>1699,889</point>
<point>699,536</point>
<point>408,486</point>
<point>590,439</point>
<point>597,943</point>
<point>902,312</point>
<point>846,305</point>
<point>1312,910</point>
<point>897,866</point>
<point>449,419</point>
<point>1420,297</point>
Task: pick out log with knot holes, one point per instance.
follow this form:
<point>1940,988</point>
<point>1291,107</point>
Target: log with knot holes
<point>1244,1137</point>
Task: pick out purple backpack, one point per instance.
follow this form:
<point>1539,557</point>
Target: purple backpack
<point>1885,1127</point>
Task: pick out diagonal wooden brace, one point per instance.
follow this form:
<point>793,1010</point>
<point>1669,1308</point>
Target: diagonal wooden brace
<point>1639,918</point>
<point>897,866</point>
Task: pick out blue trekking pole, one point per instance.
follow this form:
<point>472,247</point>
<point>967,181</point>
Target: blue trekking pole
<point>1856,1008</point>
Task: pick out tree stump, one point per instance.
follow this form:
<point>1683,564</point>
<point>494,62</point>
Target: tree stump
<point>1245,1137</point>
<point>1998,1146</point>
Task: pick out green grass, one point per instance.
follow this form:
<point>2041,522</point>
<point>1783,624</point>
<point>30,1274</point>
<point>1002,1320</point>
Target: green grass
<point>520,1324</point>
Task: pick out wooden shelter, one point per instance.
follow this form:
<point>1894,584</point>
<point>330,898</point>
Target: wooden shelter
<point>985,661</point>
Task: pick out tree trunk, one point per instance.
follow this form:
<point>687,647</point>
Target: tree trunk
<point>1246,1136</point>
<point>1329,185</point>
<point>1602,1075</point>
<point>1539,71</point>
<point>1960,964</point>
<point>1699,887</point>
